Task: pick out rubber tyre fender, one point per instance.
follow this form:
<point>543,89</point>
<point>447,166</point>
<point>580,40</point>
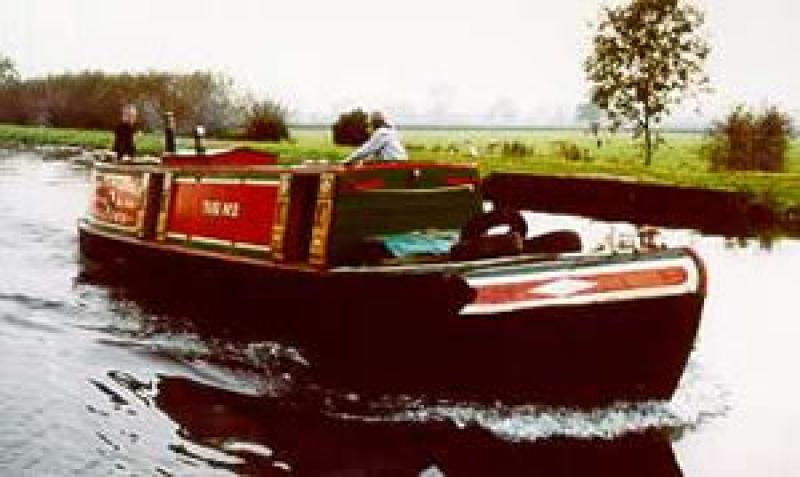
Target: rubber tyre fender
<point>479,226</point>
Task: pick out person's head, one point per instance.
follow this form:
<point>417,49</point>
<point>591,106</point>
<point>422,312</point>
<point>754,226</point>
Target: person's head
<point>129,113</point>
<point>377,120</point>
<point>169,119</point>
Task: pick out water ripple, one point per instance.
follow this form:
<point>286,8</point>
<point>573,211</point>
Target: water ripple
<point>30,323</point>
<point>698,399</point>
<point>33,302</point>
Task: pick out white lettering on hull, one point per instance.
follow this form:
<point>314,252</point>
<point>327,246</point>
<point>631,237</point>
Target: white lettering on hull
<point>218,208</point>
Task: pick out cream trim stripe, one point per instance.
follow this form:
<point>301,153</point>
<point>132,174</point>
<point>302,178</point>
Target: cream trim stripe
<point>177,236</point>
<point>251,246</point>
<point>683,262</point>
<point>218,242</point>
<point>220,180</point>
<point>627,295</point>
<point>227,181</point>
<point>211,241</point>
<point>691,285</point>
<point>262,182</point>
<point>111,225</point>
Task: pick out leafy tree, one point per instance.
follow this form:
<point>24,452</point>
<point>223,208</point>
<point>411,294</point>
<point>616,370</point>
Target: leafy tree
<point>588,112</point>
<point>266,120</point>
<point>8,71</point>
<point>648,56</point>
<point>209,99</point>
<point>351,128</point>
<point>747,141</point>
<point>592,115</point>
<point>10,101</point>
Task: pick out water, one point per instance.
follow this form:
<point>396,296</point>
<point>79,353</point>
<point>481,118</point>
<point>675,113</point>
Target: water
<point>94,382</point>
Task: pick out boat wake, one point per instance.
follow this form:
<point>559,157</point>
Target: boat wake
<point>698,399</point>
<point>274,370</point>
<point>270,370</point>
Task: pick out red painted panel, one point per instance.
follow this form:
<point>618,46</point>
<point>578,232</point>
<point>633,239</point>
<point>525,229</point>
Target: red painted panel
<point>455,181</point>
<point>237,212</point>
<point>370,183</point>
<point>233,157</point>
<point>118,198</point>
<point>406,165</point>
<point>601,283</point>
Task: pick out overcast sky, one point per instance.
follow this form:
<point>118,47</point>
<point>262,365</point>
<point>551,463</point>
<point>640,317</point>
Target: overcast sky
<point>516,60</point>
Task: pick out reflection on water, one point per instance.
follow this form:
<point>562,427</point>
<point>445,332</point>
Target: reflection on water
<point>269,433</point>
<point>98,379</point>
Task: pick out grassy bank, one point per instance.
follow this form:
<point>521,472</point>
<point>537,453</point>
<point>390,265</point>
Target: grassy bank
<point>679,161</point>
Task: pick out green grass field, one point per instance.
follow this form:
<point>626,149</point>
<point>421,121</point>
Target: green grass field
<point>679,161</point>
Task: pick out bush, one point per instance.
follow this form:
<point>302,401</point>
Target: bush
<point>351,129</point>
<point>570,151</point>
<point>267,121</point>
<point>516,149</point>
<point>745,141</point>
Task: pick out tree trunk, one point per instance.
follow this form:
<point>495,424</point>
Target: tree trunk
<point>648,142</point>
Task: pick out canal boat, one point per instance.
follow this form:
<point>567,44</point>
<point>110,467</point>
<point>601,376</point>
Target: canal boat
<point>391,277</point>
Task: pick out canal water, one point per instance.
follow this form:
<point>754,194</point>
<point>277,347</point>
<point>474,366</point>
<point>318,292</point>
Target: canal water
<point>94,382</point>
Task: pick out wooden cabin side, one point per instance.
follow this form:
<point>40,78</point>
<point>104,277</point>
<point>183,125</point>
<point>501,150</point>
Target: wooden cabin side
<point>224,200</point>
<point>227,211</point>
<point>359,204</point>
<point>308,216</point>
<point>125,200</point>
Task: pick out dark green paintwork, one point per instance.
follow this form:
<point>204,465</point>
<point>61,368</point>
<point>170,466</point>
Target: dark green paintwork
<point>425,178</point>
<point>401,200</point>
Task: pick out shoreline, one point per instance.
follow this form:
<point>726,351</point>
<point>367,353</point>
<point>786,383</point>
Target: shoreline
<point>771,200</point>
<point>709,211</point>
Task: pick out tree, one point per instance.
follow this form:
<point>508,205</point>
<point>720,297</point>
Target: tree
<point>8,71</point>
<point>266,120</point>
<point>648,56</point>
<point>351,128</point>
<point>592,115</point>
<point>748,141</point>
<point>210,99</point>
<point>10,102</point>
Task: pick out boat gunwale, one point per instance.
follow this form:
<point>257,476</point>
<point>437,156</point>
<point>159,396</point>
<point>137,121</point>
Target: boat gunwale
<point>466,267</point>
<point>276,168</point>
<point>87,226</point>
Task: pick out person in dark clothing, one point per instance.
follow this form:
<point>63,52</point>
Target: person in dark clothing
<point>124,146</point>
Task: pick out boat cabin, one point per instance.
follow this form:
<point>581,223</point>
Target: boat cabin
<point>243,202</point>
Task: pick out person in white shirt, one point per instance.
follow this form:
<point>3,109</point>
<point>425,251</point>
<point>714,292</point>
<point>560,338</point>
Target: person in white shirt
<point>383,145</point>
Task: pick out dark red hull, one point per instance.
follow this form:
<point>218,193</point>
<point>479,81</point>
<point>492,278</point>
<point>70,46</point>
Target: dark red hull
<point>380,333</point>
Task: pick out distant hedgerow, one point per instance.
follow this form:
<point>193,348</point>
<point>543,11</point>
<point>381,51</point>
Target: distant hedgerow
<point>746,141</point>
<point>516,149</point>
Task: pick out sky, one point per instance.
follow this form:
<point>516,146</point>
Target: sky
<point>423,61</point>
